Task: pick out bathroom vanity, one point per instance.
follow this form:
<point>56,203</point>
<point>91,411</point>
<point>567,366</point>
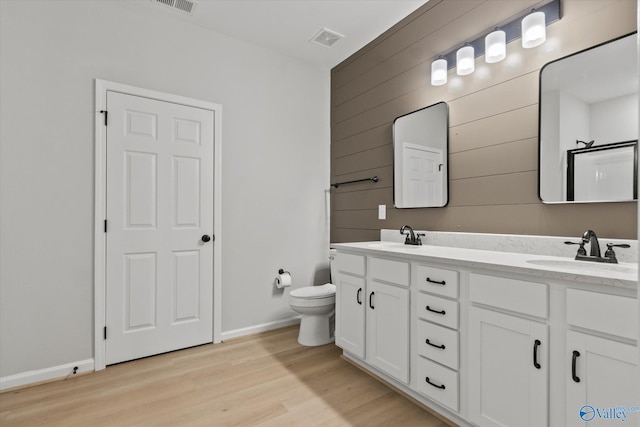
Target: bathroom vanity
<point>492,338</point>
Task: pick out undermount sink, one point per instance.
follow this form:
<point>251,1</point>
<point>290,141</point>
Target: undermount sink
<point>583,265</point>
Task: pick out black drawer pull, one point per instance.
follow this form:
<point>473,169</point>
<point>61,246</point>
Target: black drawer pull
<point>441,387</point>
<point>436,311</point>
<point>442,347</point>
<point>576,354</point>
<point>370,302</point>
<point>358,296</point>
<point>436,282</point>
<point>536,344</point>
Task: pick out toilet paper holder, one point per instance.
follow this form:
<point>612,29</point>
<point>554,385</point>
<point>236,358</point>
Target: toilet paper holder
<point>283,279</point>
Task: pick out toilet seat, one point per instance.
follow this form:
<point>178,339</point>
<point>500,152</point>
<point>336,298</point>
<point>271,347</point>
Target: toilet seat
<point>314,292</point>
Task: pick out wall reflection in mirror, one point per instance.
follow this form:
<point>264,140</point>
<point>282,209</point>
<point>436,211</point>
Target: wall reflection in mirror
<point>589,125</point>
<point>420,158</point>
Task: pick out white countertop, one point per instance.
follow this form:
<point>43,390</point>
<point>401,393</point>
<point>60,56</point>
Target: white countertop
<point>622,275</point>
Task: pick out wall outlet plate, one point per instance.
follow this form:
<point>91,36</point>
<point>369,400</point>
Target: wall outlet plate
<point>382,211</point>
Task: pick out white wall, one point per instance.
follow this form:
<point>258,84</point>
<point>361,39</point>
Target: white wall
<point>275,163</point>
<point>614,120</point>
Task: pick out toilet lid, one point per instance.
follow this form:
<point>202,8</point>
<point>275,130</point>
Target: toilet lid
<point>322,291</point>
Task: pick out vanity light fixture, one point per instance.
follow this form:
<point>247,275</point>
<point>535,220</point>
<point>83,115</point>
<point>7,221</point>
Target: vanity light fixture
<point>465,60</point>
<point>495,46</point>
<point>534,31</point>
<point>528,25</point>
<point>439,72</point>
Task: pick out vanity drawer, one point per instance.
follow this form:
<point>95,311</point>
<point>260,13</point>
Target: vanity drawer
<point>437,280</point>
<point>438,383</point>
<point>438,310</point>
<point>511,294</point>
<point>442,345</point>
<point>349,263</point>
<point>389,271</point>
<point>611,314</point>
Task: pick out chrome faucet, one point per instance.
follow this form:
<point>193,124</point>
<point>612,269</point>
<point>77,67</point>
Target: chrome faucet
<point>590,237</point>
<point>412,238</point>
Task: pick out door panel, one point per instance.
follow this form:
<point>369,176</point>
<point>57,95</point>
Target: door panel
<point>350,315</point>
<point>605,371</point>
<point>388,329</point>
<point>159,273</point>
<point>505,386</point>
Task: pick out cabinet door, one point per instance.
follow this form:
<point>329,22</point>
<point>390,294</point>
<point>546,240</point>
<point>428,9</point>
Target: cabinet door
<point>350,299</point>
<point>508,371</point>
<point>388,329</point>
<point>601,376</point>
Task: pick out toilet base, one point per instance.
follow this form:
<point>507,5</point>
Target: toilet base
<point>316,330</point>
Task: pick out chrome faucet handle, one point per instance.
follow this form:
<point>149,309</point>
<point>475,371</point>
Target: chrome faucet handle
<point>581,249</point>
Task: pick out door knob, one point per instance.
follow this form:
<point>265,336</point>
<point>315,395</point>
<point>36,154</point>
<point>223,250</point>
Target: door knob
<point>206,238</point>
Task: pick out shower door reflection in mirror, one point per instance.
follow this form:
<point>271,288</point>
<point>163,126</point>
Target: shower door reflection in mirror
<point>589,125</point>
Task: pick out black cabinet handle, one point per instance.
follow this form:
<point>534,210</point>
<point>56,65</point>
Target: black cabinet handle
<point>536,344</point>
<point>370,296</point>
<point>205,238</point>
<point>442,347</point>
<point>441,387</point>
<point>436,311</point>
<point>576,354</point>
<point>436,282</point>
<point>358,296</point>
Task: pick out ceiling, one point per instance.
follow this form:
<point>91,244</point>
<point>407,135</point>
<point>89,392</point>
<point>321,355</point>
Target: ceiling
<point>287,25</point>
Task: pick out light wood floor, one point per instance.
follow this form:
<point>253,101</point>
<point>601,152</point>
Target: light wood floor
<point>262,380</point>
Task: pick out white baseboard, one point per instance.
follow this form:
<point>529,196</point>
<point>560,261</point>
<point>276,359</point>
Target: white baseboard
<point>260,328</point>
<point>47,374</point>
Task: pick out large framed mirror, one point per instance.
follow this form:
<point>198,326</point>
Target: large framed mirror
<point>420,158</point>
<point>588,125</point>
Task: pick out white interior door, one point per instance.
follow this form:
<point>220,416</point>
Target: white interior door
<point>159,268</point>
<point>422,180</point>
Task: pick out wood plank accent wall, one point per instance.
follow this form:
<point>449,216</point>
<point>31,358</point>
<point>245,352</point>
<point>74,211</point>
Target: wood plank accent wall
<point>493,144</point>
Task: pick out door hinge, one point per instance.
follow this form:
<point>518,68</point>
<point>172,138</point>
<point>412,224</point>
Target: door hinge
<point>105,332</point>
<point>106,116</point>
<point>105,225</point>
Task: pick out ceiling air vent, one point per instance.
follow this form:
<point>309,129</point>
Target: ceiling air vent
<point>185,6</point>
<point>326,37</point>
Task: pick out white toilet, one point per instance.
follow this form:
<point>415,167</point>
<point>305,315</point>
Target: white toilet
<point>317,306</point>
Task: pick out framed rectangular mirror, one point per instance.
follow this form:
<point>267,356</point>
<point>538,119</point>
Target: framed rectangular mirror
<point>420,158</point>
<point>588,125</point>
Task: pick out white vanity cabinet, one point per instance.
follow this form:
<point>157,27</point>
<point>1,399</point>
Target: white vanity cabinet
<point>600,368</point>
<point>436,343</point>
<point>490,341</point>
<point>601,373</point>
<point>372,312</point>
<point>508,354</point>
<point>350,308</point>
<point>388,329</point>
